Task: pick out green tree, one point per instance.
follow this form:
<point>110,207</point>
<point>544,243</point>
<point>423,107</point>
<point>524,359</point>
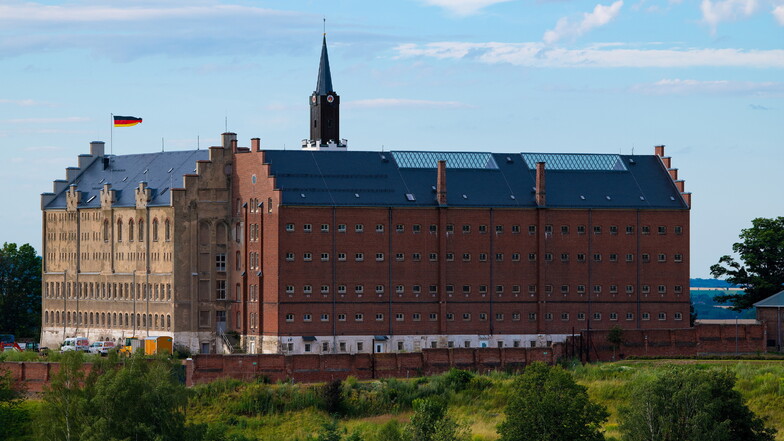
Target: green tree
<point>688,404</point>
<point>20,290</point>
<point>141,401</point>
<point>547,405</point>
<point>760,271</point>
<point>615,337</point>
<point>65,402</point>
<point>11,416</point>
<point>431,422</point>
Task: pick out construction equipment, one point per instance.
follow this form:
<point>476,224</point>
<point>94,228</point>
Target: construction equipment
<point>8,343</point>
<point>132,344</point>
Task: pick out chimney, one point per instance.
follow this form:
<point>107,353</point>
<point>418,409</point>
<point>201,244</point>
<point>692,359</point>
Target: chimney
<point>234,145</point>
<point>97,148</point>
<point>441,184</point>
<point>541,200</point>
<point>255,144</point>
<point>226,139</point>
<point>659,151</point>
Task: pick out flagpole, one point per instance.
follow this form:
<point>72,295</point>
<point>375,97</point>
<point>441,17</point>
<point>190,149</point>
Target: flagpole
<point>111,133</point>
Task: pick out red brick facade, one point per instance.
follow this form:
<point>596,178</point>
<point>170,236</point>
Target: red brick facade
<point>441,271</point>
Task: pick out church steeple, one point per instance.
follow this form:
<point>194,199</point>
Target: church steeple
<point>324,82</point>
<point>324,110</point>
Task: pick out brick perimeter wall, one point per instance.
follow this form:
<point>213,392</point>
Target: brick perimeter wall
<point>700,340</point>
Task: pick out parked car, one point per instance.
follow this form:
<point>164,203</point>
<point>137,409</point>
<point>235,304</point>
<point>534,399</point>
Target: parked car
<point>101,347</point>
<point>75,344</point>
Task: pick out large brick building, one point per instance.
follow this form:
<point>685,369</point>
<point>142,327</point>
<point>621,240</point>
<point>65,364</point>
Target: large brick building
<point>331,250</point>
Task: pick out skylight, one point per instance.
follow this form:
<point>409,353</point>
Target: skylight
<point>465,160</point>
<point>575,161</point>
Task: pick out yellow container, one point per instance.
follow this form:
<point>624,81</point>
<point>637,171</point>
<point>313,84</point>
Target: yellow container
<point>157,345</point>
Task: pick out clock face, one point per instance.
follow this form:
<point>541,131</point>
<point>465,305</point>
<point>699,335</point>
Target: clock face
<point>313,99</point>
<point>330,98</point>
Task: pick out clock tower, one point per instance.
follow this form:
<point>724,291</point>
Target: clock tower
<point>324,111</point>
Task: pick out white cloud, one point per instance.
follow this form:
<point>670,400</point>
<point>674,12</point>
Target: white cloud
<point>778,13</point>
<point>404,103</point>
<point>600,16</point>
<point>677,86</point>
<point>540,55</point>
<point>23,103</point>
<point>715,12</point>
<point>463,7</point>
<point>81,13</point>
<point>68,119</point>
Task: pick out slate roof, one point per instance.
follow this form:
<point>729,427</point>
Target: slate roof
<point>162,171</point>
<point>474,179</point>
<point>774,301</point>
<point>406,179</point>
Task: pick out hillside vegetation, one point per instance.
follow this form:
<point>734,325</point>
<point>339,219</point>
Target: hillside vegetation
<point>383,409</point>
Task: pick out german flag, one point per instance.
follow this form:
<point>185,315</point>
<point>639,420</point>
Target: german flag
<point>126,121</point>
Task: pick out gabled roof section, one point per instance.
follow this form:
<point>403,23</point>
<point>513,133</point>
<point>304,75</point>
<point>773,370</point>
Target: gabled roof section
<point>474,179</point>
<point>774,301</point>
<point>324,81</point>
<point>161,171</point>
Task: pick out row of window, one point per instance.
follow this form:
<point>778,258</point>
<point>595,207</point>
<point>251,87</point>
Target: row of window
<point>482,316</point>
<point>108,319</point>
<point>107,291</point>
<point>499,289</point>
<point>466,228</point>
<point>499,257</point>
<point>132,229</point>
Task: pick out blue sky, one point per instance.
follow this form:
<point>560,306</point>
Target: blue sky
<point>704,77</point>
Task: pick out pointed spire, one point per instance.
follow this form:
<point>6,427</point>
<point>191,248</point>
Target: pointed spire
<point>324,83</point>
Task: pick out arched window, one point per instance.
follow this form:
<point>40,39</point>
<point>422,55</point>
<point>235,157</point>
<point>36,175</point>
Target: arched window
<point>141,230</point>
<point>91,319</point>
<point>239,260</point>
<point>156,321</point>
<point>103,319</point>
<point>119,230</point>
<point>168,322</point>
<point>46,317</point>
<point>155,230</point>
<point>269,205</point>
<point>106,230</point>
<point>57,317</point>
<point>167,230</point>
<point>79,321</point>
<point>130,230</point>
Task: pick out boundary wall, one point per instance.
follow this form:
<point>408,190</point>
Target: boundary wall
<point>589,346</point>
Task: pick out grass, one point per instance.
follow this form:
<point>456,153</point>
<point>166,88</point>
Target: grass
<point>294,412</point>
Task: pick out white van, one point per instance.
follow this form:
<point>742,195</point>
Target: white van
<point>75,344</point>
<point>101,347</point>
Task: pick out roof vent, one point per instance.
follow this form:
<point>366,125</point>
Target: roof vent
<point>125,178</point>
<point>512,196</point>
<point>163,191</point>
<point>91,199</point>
<point>608,197</point>
<point>302,195</point>
<point>410,197</point>
<point>101,181</point>
<point>631,161</point>
<point>434,188</point>
<point>356,195</point>
<point>509,160</point>
<point>465,196</point>
<point>582,197</point>
<point>642,198</point>
<point>170,170</point>
<point>672,198</point>
<point>145,171</point>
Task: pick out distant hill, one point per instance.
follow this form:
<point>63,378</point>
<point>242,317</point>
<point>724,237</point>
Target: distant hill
<point>709,283</point>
